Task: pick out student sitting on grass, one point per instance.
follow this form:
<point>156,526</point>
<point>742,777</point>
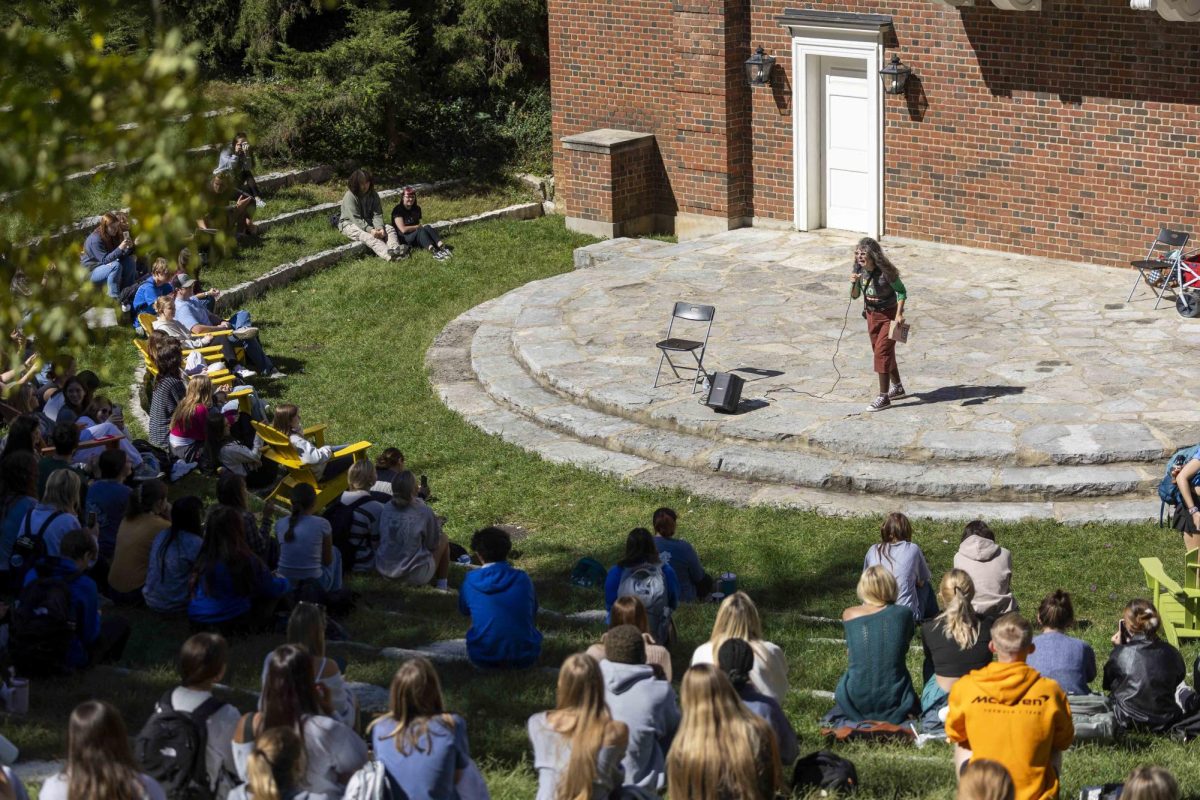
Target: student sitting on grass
<point>231,493</point>
<point>694,583</point>
<point>896,553</point>
<point>65,439</point>
<point>1150,782</point>
<point>985,780</point>
<point>1143,672</point>
<point>737,618</point>
<point>502,605</point>
<point>412,546</point>
<point>388,465</point>
<point>742,760</point>
<point>642,572</point>
<point>18,495</point>
<point>238,161</point>
<point>100,762</point>
<point>1009,713</point>
<point>275,769</point>
<point>108,498</point>
<point>406,216</point>
<point>1069,661</point>
<point>423,747</point>
<point>58,513</point>
<point>148,515</point>
<point>223,451</point>
<point>956,642</point>
<point>990,568</point>
<point>203,660</point>
<point>173,556</point>
<point>736,660</point>
<point>364,508</point>
<point>232,589</point>
<point>306,627</point>
<point>108,253</point>
<point>306,551</point>
<point>578,747</point>
<point>292,699</point>
<point>361,218</point>
<point>630,611</point>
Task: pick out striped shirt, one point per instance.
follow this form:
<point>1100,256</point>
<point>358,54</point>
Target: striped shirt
<point>168,391</point>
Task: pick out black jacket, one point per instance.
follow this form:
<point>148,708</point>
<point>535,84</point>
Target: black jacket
<point>1141,677</point>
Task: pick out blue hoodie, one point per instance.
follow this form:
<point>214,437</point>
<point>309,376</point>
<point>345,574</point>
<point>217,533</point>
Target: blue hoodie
<point>502,605</point>
<point>85,599</point>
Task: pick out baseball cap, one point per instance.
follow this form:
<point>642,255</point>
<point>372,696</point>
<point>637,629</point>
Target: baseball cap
<point>184,281</point>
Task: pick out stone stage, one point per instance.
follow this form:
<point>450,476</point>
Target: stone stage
<point>1034,388</point>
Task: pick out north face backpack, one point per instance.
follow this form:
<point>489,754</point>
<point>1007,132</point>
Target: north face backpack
<point>647,583</point>
<point>825,770</point>
<point>341,519</point>
<point>171,748</point>
<point>43,627</point>
<point>588,572</point>
<point>1168,492</point>
<point>30,546</point>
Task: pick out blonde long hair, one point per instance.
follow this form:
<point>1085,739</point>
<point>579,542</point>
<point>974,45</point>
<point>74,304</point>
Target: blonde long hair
<point>958,620</point>
<point>737,618</point>
<point>416,701</point>
<point>199,393</point>
<point>580,694</point>
<point>276,764</point>
<point>716,750</point>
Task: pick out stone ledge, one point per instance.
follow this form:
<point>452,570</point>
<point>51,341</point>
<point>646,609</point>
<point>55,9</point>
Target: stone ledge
<point>322,208</point>
<point>606,140</point>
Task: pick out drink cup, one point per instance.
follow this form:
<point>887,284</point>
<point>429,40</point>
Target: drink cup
<point>727,583</point>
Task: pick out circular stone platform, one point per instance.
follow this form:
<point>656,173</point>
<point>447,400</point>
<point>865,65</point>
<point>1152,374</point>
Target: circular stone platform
<point>1032,384</point>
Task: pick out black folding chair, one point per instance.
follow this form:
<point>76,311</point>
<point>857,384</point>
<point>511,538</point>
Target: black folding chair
<point>1162,270</point>
<point>691,312</point>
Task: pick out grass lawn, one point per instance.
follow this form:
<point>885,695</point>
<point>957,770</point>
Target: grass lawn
<point>353,340</point>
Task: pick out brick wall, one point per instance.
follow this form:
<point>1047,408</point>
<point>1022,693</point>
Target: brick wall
<point>1069,132</point>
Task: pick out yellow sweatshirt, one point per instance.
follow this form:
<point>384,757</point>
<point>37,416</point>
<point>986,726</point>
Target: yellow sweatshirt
<point>1009,713</point>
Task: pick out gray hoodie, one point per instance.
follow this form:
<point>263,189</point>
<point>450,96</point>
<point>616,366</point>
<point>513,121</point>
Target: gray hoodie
<point>990,568</point>
<point>650,709</point>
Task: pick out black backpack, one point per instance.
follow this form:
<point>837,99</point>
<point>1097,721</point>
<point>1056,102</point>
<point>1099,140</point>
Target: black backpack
<point>29,546</point>
<point>825,770</point>
<point>171,748</point>
<point>341,519</point>
<point>43,627</point>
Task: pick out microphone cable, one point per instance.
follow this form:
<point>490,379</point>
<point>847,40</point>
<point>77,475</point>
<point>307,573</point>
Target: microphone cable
<point>837,346</point>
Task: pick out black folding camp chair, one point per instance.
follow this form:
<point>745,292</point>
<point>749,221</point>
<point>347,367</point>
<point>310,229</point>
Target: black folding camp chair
<point>690,312</point>
<point>1160,268</point>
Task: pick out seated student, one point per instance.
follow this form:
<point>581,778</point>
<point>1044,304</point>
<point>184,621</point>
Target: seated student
<point>11,787</point>
<point>173,557</point>
<point>65,439</point>
<point>955,642</point>
<point>238,162</point>
<point>108,253</point>
<point>578,747</point>
<point>73,410</point>
<point>169,389</point>
<point>24,435</point>
<point>166,322</point>
<point>736,660</point>
<point>195,317</point>
<point>231,493</point>
<point>306,551</point>
<point>291,699</point>
<point>231,587</point>
<point>388,465</point>
<point>630,611</point>
<point>203,660</point>
<point>320,460</point>
<point>225,209</point>
<point>646,704</point>
<point>18,495</point>
<point>876,684</point>
<point>100,762</point>
<point>148,515</point>
<point>406,216</point>
<point>641,572</point>
<point>1150,782</point>
<point>1143,672</point>
<point>412,546</point>
<point>223,451</point>
<point>188,423</point>
<point>1009,713</point>
<point>275,769</point>
<point>363,509</point>
<point>1064,659</point>
<point>737,618</point>
<point>904,560</point>
<point>502,605</point>
<point>990,568</point>
<point>58,512</point>
<point>157,284</point>
<point>108,497</point>
<point>742,761</point>
<point>97,640</point>
<point>306,627</point>
<point>694,582</point>
<point>422,746</point>
<point>361,218</point>
<point>985,780</point>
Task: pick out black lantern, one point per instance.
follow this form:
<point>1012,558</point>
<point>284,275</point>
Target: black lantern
<point>758,68</point>
<point>894,76</point>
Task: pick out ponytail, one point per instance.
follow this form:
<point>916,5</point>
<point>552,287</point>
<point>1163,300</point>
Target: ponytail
<point>276,764</point>
<point>303,497</point>
<point>958,621</point>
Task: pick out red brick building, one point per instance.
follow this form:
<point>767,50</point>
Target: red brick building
<point>1064,128</point>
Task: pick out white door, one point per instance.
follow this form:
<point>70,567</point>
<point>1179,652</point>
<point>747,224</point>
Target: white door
<point>849,163</point>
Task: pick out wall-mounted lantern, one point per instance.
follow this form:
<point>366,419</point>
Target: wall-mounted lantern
<point>758,68</point>
<point>894,76</point>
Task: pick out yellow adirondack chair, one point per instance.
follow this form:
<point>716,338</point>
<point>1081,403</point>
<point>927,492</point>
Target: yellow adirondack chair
<point>1191,569</point>
<point>1178,608</point>
<point>211,352</point>
<point>221,377</point>
<point>280,450</point>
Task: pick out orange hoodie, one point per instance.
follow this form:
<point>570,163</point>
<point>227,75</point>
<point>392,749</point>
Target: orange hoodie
<point>1009,713</point>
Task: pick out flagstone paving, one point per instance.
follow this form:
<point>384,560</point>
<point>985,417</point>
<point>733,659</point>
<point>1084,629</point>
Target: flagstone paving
<point>1033,387</point>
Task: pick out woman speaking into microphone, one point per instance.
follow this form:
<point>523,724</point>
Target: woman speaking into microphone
<point>878,281</point>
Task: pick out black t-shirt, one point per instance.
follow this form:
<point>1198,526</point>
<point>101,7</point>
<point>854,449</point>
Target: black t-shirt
<point>944,654</point>
<point>409,216</point>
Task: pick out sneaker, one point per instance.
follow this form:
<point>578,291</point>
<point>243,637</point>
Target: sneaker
<point>147,471</point>
<point>126,308</point>
<point>896,392</point>
<point>248,332</point>
<point>445,252</point>
<point>276,373</point>
<point>880,403</point>
<point>1183,696</point>
<point>440,255</point>
<point>242,372</point>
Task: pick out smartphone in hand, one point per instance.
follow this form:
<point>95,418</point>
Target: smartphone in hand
<point>1122,631</point>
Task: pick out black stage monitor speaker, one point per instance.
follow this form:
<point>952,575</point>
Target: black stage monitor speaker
<point>726,392</point>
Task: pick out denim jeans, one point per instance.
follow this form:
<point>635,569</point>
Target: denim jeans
<point>117,274</point>
<point>255,356</point>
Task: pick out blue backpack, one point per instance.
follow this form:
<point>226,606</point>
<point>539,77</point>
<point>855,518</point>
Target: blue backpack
<point>1168,492</point>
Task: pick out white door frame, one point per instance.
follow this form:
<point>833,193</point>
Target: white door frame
<point>807,158</point>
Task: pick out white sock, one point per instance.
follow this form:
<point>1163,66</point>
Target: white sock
<point>441,583</point>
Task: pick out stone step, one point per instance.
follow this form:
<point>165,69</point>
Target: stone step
<point>504,378</point>
<point>449,361</point>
